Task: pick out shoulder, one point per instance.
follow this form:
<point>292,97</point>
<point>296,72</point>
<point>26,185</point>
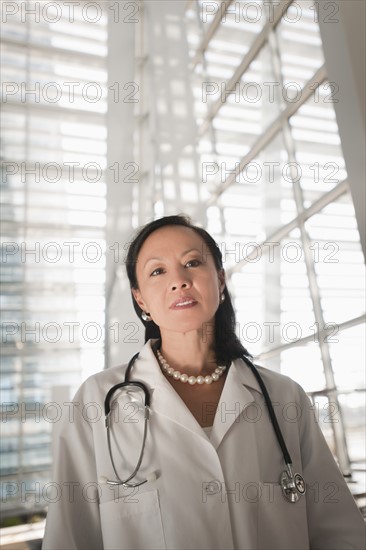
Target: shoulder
<point>278,380</point>
<point>291,403</point>
<point>279,386</point>
<point>99,384</point>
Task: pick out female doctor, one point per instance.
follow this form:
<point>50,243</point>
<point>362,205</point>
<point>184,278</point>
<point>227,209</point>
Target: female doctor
<point>211,474</point>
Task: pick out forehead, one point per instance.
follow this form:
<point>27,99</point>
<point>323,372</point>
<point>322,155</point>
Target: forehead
<point>172,239</point>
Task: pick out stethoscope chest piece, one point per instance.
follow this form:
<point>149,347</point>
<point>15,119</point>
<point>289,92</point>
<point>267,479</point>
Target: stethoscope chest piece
<point>293,486</point>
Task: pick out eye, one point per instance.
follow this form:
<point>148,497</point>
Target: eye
<point>156,272</point>
<point>193,263</point>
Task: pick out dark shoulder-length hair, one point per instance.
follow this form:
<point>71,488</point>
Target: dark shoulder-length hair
<point>227,345</point>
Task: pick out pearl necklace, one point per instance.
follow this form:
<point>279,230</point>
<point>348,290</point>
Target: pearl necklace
<point>218,372</point>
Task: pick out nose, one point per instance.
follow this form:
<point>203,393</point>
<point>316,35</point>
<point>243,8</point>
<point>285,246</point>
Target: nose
<point>180,285</point>
<point>180,281</point>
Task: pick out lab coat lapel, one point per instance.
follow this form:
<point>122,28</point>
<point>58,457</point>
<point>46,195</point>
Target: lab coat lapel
<point>236,396</point>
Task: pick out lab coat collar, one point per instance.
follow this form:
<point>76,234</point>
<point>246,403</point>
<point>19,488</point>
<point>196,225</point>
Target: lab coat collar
<point>237,394</point>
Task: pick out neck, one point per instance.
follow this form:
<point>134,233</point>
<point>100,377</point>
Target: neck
<point>189,352</point>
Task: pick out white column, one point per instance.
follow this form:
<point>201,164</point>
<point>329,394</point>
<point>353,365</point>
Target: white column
<point>173,126</point>
<point>123,90</point>
<point>342,27</point>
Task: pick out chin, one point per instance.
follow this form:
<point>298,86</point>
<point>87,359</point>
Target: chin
<point>202,324</point>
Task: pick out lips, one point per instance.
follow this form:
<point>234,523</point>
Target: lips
<point>183,302</point>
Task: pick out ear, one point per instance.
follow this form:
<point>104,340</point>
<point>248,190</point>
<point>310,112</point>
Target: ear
<point>222,281</point>
<point>137,296</point>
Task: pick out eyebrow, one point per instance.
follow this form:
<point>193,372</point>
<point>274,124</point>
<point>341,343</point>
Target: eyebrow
<point>182,255</point>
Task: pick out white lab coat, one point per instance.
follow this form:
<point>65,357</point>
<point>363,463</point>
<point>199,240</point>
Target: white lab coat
<point>218,493</point>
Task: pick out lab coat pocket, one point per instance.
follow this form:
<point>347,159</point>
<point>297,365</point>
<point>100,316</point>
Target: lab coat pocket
<point>282,525</point>
<point>132,521</point>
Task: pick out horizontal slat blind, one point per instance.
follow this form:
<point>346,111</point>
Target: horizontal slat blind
<point>53,162</point>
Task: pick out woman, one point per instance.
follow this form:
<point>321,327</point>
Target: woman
<point>210,470</point>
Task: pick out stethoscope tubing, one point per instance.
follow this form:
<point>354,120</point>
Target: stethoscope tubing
<point>272,414</point>
<point>292,485</point>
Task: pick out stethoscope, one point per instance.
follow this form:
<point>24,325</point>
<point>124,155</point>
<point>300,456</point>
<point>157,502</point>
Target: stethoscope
<point>293,485</point>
